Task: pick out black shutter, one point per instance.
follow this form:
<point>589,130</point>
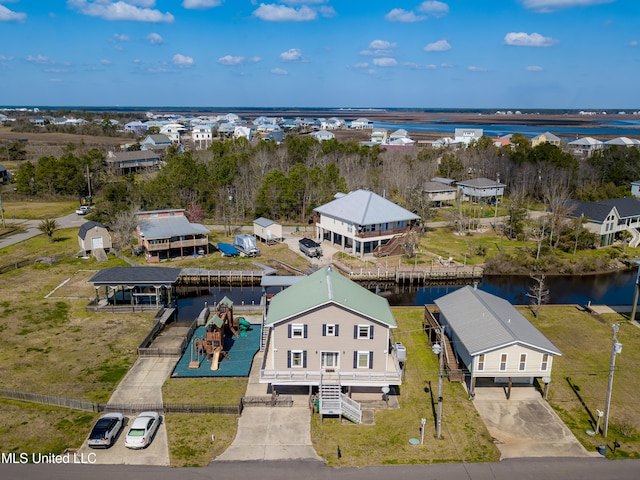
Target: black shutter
<point>371,332</point>
<point>289,331</point>
<point>355,359</point>
<point>288,358</point>
<point>335,329</point>
<point>370,359</point>
<point>305,330</point>
<point>324,329</point>
<point>355,331</point>
<point>304,359</point>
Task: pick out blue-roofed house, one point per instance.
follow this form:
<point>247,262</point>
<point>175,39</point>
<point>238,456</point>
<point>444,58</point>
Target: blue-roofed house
<point>492,340</point>
<point>362,220</point>
<point>608,218</point>
<point>327,331</point>
<point>164,234</point>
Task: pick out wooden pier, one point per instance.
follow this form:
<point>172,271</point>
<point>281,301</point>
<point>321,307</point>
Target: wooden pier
<point>415,277</point>
<point>213,278</point>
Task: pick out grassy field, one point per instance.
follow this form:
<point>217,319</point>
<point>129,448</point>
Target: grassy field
<point>464,436</point>
<point>580,375</point>
<point>37,210</point>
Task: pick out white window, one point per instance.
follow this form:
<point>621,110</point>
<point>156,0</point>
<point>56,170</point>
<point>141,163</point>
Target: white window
<point>522,366</point>
<point>329,359</point>
<point>363,331</point>
<point>330,330</point>
<point>363,360</point>
<point>503,362</point>
<point>297,331</point>
<point>297,359</point>
<point>481,359</point>
<point>545,362</point>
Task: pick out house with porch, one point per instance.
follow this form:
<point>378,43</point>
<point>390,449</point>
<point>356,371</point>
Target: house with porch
<point>546,137</point>
<point>493,343</point>
<point>439,193</point>
<point>609,218</point>
<point>122,163</point>
<point>328,334</point>
<point>361,220</point>
<point>480,190</point>
<point>164,234</point>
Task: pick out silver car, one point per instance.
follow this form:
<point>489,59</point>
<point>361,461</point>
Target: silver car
<point>106,430</point>
<point>142,430</point>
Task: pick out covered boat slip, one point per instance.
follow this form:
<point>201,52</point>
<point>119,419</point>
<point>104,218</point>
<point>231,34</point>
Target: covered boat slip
<point>137,288</point>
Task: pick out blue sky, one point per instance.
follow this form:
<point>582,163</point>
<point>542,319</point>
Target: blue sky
<point>516,54</point>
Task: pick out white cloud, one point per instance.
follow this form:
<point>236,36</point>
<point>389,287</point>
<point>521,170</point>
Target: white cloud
<point>403,16</point>
<point>292,55</point>
<point>182,60</point>
<point>155,39</point>
<point>533,68</point>
<point>381,45</point>
<point>521,39</point>
<point>104,61</point>
<point>633,43</point>
<point>7,15</point>
<point>282,13</point>
<point>431,66</point>
<point>231,60</point>
<point>385,62</point>
<point>39,59</point>
<point>361,65</point>
<point>130,10</point>
<point>435,9</point>
<point>546,6</point>
<point>439,46</point>
<point>474,68</point>
<point>201,4</point>
<point>121,37</point>
<point>279,71</point>
<point>137,61</point>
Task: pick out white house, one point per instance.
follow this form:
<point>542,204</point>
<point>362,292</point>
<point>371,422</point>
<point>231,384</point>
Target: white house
<point>244,132</point>
<point>362,220</point>
<point>586,146</point>
<point>608,218</point>
<point>379,136</point>
<point>361,124</point>
<point>467,135</point>
<point>322,135</point>
<point>623,142</point>
<point>492,340</point>
<point>174,131</point>
<point>201,136</point>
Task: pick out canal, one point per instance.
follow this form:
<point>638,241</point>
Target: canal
<point>611,288</point>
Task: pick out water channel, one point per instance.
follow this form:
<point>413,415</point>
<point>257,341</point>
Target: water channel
<point>611,289</point>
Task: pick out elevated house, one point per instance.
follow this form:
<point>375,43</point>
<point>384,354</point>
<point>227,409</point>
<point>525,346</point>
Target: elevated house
<point>164,234</point>
<point>322,135</point>
<point>201,136</point>
<point>136,127</point>
<point>123,163</point>
<point>361,124</point>
<point>586,146</point>
<point>546,137</point>
<point>623,142</point>
<point>465,136</point>
<point>379,136</point>
<point>329,334</point>
<point>492,341</point>
<point>480,190</point>
<point>362,220</point>
<point>609,218</point>
<point>156,141</point>
<point>439,193</point>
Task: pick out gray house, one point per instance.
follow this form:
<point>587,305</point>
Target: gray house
<point>480,190</point>
<point>93,236</point>
<point>492,340</point>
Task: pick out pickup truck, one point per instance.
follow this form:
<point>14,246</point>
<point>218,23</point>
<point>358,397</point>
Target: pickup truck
<point>83,210</point>
<point>310,248</point>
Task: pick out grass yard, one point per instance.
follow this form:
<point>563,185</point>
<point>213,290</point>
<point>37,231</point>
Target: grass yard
<point>206,391</point>
<point>581,374</point>
<point>37,210</point>
<point>464,436</point>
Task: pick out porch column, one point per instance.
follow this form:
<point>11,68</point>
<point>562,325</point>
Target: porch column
<point>472,387</point>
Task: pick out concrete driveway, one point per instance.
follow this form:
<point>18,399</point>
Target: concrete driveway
<point>525,425</point>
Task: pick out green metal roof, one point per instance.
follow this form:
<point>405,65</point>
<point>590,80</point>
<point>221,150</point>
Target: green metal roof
<point>326,287</point>
<point>215,320</point>
<point>226,301</point>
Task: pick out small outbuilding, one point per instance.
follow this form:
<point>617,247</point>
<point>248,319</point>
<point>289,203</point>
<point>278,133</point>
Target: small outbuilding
<point>94,236</point>
<point>268,231</point>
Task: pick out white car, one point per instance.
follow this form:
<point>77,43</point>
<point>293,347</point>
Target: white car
<point>83,210</point>
<point>142,430</point>
<point>106,430</point>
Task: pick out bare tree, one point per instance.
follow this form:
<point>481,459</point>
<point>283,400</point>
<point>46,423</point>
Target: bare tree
<point>538,292</point>
<point>557,195</point>
<point>122,227</point>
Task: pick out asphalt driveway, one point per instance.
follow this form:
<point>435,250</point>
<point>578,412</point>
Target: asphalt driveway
<point>526,425</point>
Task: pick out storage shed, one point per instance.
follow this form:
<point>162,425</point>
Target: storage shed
<point>267,230</point>
<point>93,236</point>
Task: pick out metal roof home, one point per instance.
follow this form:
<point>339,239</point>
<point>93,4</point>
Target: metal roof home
<point>623,141</point>
<point>607,218</point>
<point>547,137</point>
<point>493,340</point>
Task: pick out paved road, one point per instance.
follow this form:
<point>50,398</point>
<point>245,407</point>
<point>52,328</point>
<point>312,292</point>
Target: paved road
<point>521,469</point>
<point>31,228</point>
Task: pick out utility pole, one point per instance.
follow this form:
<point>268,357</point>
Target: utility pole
<point>2,210</point>
<point>615,349</point>
<point>438,349</point>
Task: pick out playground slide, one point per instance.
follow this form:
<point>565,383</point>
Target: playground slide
<point>244,326</point>
<point>216,357</point>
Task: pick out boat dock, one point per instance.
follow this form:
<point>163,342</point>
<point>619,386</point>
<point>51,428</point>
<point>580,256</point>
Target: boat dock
<point>200,277</point>
<point>414,277</point>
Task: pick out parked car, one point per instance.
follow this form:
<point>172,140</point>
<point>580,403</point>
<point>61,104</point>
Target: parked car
<point>310,248</point>
<point>142,430</point>
<point>83,210</point>
<point>106,430</point>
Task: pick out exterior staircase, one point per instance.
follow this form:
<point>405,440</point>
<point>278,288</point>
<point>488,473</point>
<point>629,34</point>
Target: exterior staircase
<point>333,402</point>
<point>395,246</point>
<point>264,334</point>
<point>635,241</point>
<point>451,364</point>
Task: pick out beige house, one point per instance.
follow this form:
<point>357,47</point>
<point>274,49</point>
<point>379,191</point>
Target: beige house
<point>267,230</point>
<point>328,332</point>
<point>546,137</point>
<point>492,341</point>
<point>93,236</point>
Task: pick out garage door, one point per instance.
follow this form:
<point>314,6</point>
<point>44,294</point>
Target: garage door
<point>96,243</point>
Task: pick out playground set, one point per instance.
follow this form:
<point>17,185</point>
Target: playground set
<point>211,346</point>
